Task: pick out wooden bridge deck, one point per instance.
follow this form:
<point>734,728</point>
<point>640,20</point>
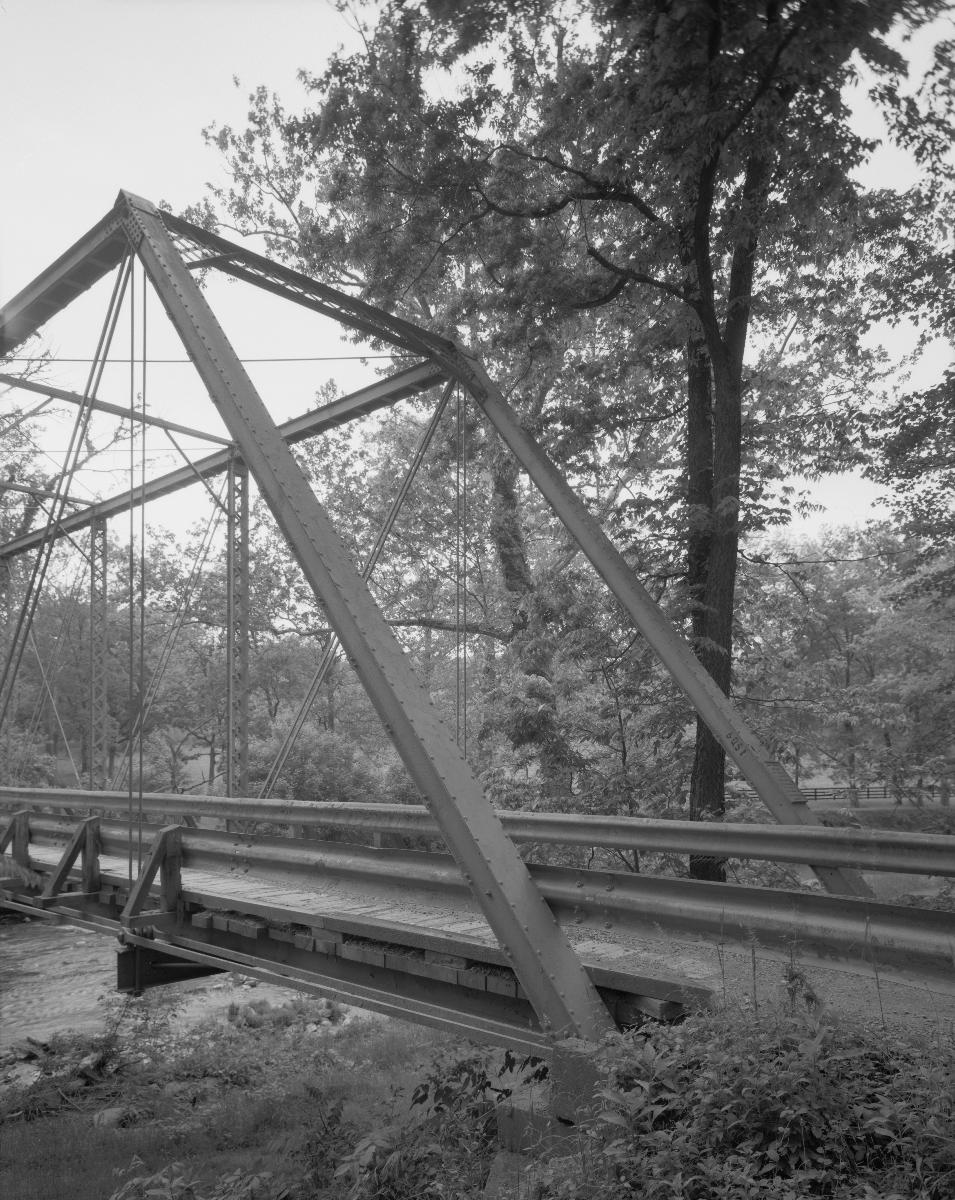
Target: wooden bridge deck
<point>445,940</point>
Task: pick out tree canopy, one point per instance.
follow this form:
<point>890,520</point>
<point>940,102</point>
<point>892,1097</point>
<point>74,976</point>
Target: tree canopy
<point>649,218</point>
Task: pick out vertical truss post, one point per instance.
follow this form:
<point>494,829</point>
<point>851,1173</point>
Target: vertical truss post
<point>555,980</point>
<point>98,766</point>
<point>237,630</point>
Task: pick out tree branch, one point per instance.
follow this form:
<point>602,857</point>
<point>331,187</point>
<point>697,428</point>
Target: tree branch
<point>636,276</point>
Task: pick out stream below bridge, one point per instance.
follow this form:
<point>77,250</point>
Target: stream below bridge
<point>55,977</point>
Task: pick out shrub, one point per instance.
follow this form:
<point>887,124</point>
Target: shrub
<point>730,1107</point>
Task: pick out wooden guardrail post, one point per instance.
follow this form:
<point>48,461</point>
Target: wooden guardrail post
<point>17,836</point>
<point>83,844</point>
<point>165,859</point>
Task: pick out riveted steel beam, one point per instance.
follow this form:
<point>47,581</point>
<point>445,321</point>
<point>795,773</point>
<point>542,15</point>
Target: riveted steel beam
<point>290,284</point>
<point>759,768</point>
<point>85,263</point>
<point>553,977</point>
<point>774,786</point>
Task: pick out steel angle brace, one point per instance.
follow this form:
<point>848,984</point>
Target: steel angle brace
<point>554,979</point>
<point>775,788</point>
<point>164,859</point>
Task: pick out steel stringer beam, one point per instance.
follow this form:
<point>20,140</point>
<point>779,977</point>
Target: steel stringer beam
<point>768,777</point>
<point>553,977</point>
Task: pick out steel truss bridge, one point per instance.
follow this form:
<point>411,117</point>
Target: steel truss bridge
<point>474,938</point>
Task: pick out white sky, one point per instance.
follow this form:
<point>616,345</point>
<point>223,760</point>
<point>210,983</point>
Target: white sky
<point>102,94</point>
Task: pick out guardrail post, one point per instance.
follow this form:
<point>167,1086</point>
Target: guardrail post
<point>165,859</point>
<point>85,842</point>
<point>91,848</point>
<point>17,832</point>
<point>21,838</point>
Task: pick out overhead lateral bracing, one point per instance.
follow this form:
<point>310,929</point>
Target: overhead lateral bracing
<point>116,410</point>
<point>361,403</point>
<point>171,250</point>
<point>43,493</point>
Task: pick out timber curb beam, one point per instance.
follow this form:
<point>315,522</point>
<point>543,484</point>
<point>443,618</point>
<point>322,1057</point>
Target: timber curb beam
<point>170,250</point>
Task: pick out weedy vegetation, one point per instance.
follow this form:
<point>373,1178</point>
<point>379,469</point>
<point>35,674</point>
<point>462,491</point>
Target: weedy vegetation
<point>291,1102</point>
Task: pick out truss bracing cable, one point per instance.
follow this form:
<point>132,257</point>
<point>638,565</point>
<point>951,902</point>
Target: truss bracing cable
<point>38,575</point>
<point>169,642</point>
<point>56,714</point>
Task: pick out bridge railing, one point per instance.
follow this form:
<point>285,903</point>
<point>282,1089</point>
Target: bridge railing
<point>897,941</point>
<point>862,849</point>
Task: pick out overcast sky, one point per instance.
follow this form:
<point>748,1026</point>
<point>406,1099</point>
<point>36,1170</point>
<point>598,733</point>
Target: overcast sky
<point>99,95</point>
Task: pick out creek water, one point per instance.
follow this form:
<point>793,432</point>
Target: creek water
<point>59,977</point>
<point>52,977</point>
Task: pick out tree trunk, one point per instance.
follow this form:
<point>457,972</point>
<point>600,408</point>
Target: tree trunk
<point>707,779</point>
<point>533,645</point>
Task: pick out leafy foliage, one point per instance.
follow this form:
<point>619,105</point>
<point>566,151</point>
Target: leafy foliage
<point>746,1108</point>
<point>649,219</point>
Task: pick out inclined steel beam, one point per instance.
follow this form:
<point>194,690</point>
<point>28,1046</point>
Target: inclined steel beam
<point>758,767</point>
<point>348,408</point>
<point>553,977</point>
<point>85,263</point>
<point>116,410</point>
<point>293,285</point>
<point>770,780</point>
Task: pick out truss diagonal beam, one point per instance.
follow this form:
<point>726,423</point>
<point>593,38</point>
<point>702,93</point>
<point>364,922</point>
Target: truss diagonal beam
<point>348,408</point>
<point>775,788</point>
<point>552,976</point>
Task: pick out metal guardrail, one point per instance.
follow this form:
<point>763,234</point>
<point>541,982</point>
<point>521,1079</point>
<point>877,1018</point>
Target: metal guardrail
<point>895,941</point>
<point>863,792</point>
<point>862,849</point>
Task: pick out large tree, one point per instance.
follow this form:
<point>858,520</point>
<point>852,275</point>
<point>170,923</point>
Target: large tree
<point>614,199</point>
